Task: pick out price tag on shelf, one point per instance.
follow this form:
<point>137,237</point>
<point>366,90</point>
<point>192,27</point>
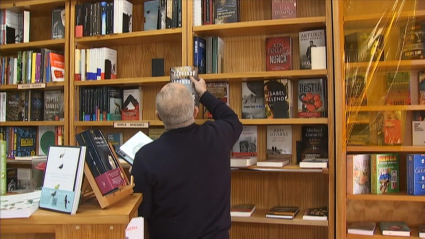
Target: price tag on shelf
<point>31,86</point>
<point>131,125</point>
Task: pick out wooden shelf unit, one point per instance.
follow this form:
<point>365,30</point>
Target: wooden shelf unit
<point>364,16</point>
<point>270,187</point>
<point>40,37</point>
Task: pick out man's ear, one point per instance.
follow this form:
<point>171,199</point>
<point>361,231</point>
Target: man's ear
<point>195,111</point>
<point>157,115</point>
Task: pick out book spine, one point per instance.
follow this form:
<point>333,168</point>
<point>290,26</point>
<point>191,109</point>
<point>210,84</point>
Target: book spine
<point>410,175</point>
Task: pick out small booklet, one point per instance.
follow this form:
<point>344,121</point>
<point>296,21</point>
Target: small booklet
<point>21,205</point>
<point>317,213</point>
<point>128,150</point>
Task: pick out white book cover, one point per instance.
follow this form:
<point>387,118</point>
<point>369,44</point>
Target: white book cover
<point>21,205</point>
<point>135,229</point>
<point>83,64</point>
<point>27,19</point>
<point>247,142</point>
<point>132,104</point>
<point>418,128</point>
<point>279,141</point>
<point>129,149</point>
<point>362,228</point>
<point>63,178</point>
<point>2,106</point>
<point>197,12</point>
<point>318,58</point>
<point>11,26</point>
<point>253,106</point>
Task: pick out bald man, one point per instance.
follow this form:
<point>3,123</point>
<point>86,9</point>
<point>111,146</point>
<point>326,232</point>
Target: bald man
<point>184,175</point>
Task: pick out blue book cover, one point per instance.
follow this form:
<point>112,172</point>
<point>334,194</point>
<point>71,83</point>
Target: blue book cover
<point>199,56</point>
<point>416,174</point>
<point>26,138</point>
<point>151,15</point>
<point>63,179</point>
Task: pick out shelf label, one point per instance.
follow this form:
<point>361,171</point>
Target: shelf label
<point>31,86</point>
<point>131,125</point>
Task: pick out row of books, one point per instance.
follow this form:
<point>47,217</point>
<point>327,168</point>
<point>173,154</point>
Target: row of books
<point>95,64</point>
<point>208,54</point>
<point>387,228</point>
<point>385,128</point>
<point>33,66</point>
<point>313,145</point>
<point>401,88</point>
<point>32,105</point>
<point>15,26</point>
<point>23,142</point>
<point>380,173</point>
<point>274,99</point>
<point>281,212</point>
<point>110,103</point>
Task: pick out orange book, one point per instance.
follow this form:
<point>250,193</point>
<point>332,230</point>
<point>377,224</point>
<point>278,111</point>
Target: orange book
<point>57,66</point>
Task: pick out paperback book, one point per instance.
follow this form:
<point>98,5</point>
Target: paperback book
<point>282,212</point>
<point>362,228</point>
<point>63,179</point>
<point>316,213</point>
<point>416,174</point>
<point>279,141</point>
<point>307,40</point>
<point>418,128</point>
<point>279,53</point>
<point>242,210</point>
<point>21,205</point>
<point>358,174</point>
<point>385,173</point>
<point>312,98</point>
<point>283,9</point>
<point>246,145</point>
<point>182,74</point>
<point>253,106</point>
<point>129,149</point>
<point>278,98</point>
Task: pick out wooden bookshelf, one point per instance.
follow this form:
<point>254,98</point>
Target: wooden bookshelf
<point>363,16</point>
<point>40,36</point>
<point>267,187</point>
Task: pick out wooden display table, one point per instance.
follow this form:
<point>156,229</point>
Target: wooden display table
<point>90,221</point>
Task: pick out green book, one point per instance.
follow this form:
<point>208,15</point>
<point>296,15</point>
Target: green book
<point>385,173</point>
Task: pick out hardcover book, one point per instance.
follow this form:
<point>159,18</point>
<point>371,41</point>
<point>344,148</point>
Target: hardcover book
<point>226,11</point>
<point>131,107</point>
<point>282,9</point>
<point>182,75</point>
<point>279,53</point>
<point>26,139</point>
<point>278,98</point>
<point>58,23</point>
<point>246,145</point>
<point>130,147</point>
<point>63,179</point>
<point>421,78</point>
<point>219,90</point>
<point>416,174</point>
<point>53,105</point>
<point>312,98</point>
<point>385,173</point>
<point>315,142</point>
<point>393,128</point>
<point>307,40</point>
<point>317,213</point>
<point>283,212</point>
<point>418,128</point>
<point>15,106</point>
<point>358,174</point>
<point>253,106</point>
<point>398,88</point>
<point>279,141</point>
<point>362,228</point>
<point>394,229</point>
<point>37,105</point>
<point>242,210</point>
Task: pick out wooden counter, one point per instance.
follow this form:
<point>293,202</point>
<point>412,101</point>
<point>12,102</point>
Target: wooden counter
<point>90,221</point>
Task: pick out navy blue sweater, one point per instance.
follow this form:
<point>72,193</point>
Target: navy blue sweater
<point>184,176</point>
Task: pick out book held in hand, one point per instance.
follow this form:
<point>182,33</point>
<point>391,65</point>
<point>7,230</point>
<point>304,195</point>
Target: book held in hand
<point>129,149</point>
<point>242,210</point>
<point>317,213</point>
<point>21,205</point>
<point>63,179</point>
<point>362,228</point>
<point>182,74</point>
<point>283,212</point>
<point>394,229</point>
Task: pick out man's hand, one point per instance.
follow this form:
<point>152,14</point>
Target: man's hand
<point>200,85</point>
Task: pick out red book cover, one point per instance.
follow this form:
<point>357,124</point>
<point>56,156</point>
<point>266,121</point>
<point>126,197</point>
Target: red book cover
<point>279,53</point>
<point>392,128</point>
<point>282,9</point>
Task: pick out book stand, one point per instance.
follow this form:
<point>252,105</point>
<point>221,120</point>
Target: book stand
<point>90,188</point>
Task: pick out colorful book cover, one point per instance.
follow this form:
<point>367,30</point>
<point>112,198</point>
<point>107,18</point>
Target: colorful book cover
<point>279,53</point>
<point>219,90</point>
<point>317,213</point>
<point>385,173</point>
<point>312,98</point>
<point>226,11</point>
<point>132,104</point>
<point>253,106</point>
<point>398,88</point>
<point>26,138</point>
<point>282,9</point>
<point>307,40</point>
<point>358,174</point>
<point>115,104</point>
<point>421,78</point>
<point>37,105</point>
<point>182,75</point>
<point>418,128</point>
<point>150,12</point>
<point>57,66</point>
<point>314,142</point>
<point>246,145</point>
<point>278,98</point>
<point>279,141</point>
<point>15,106</point>
<point>393,128</point>
<point>63,179</point>
<point>416,174</point>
